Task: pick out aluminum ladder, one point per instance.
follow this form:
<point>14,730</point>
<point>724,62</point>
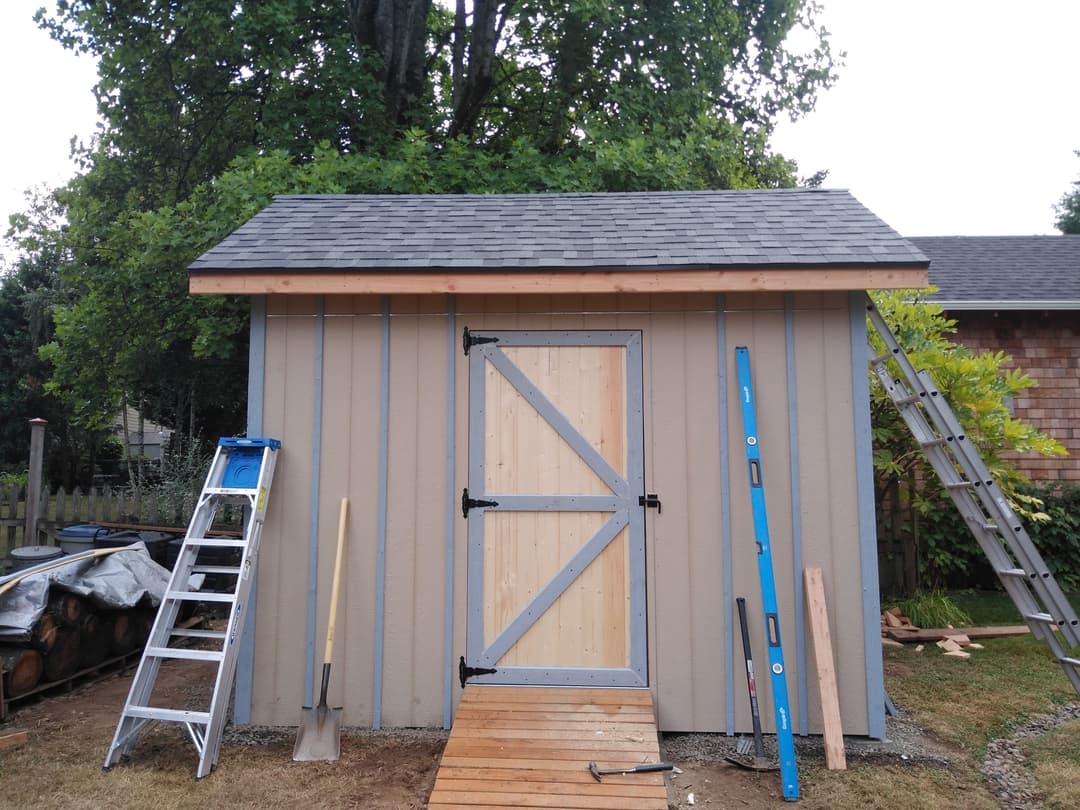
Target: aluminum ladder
<point>789,776</point>
<point>998,530</point>
<point>240,475</point>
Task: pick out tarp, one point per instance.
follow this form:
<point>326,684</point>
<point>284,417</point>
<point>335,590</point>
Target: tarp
<point>117,581</point>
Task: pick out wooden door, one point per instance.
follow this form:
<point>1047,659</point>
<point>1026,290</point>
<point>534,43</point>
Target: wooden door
<point>556,585</point>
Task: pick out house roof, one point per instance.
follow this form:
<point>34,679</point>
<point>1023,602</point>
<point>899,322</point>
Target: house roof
<point>385,243</point>
<point>1004,272</point>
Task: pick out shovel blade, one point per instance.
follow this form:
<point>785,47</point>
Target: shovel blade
<point>318,738</point>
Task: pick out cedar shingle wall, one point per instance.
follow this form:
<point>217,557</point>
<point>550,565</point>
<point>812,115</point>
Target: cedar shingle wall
<point>1047,347</point>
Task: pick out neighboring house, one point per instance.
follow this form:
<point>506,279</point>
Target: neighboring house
<point>1021,295</point>
<point>561,357</point>
<point>141,437</point>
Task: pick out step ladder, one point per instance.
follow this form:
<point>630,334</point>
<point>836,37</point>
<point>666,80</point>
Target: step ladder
<point>789,776</point>
<point>240,476</point>
<point>998,530</point>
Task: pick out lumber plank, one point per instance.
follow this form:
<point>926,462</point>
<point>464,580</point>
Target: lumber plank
<point>936,634</point>
<point>818,615</point>
<point>470,798</point>
<point>19,737</point>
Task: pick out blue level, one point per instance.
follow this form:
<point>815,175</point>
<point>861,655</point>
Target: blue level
<point>785,742</point>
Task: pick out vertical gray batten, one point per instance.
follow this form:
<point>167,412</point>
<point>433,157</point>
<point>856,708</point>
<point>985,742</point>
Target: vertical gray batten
<point>383,495</point>
<point>864,486</point>
<point>725,519</point>
<point>313,521</point>
<point>796,510</point>
<point>245,663</point>
<point>451,515</point>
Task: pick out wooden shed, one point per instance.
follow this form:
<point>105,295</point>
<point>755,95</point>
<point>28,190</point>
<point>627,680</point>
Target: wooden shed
<point>500,384</point>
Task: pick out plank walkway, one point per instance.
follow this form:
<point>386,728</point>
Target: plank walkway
<point>531,747</point>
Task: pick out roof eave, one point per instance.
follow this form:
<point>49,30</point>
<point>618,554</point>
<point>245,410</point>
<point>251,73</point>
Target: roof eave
<point>1010,304</point>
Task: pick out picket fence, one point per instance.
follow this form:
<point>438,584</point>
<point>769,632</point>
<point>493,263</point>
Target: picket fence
<point>96,505</point>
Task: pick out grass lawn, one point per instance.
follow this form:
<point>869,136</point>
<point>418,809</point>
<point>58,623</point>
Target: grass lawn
<point>966,703</point>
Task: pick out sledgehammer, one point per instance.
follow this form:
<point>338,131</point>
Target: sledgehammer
<point>646,768</point>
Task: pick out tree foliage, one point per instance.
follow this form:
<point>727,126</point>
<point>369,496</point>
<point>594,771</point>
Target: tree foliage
<point>210,108</point>
<point>978,388</point>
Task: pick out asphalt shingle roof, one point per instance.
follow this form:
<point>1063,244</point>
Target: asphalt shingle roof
<point>788,228</point>
<point>1004,272</point>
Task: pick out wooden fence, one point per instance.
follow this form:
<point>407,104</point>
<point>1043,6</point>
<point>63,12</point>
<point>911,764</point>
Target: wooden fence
<point>99,505</point>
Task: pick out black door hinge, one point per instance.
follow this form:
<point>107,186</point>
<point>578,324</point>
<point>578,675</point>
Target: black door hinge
<point>465,672</point>
<point>468,340</point>
<point>651,501</point>
<point>468,503</point>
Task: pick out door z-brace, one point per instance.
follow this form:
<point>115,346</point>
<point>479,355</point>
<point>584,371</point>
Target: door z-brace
<point>789,776</point>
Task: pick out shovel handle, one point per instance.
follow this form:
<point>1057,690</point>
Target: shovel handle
<point>336,588</point>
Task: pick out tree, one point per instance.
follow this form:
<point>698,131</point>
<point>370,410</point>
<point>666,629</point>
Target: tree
<point>211,108</point>
<point>1068,210</point>
<point>978,387</point>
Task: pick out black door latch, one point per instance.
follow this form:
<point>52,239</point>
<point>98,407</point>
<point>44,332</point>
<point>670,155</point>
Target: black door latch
<point>468,503</point>
<point>651,501</point>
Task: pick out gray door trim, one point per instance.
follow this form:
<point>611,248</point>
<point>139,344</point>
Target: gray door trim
<point>622,504</point>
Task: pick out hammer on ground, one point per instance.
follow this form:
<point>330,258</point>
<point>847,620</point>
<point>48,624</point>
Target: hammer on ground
<point>648,767</point>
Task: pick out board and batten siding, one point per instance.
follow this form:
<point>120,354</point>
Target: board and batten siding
<point>695,660</point>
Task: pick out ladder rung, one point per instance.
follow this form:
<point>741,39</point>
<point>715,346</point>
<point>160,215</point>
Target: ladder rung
<point>201,596</point>
<point>216,569</point>
<point>1074,662</point>
<point>215,542</point>
<point>184,653</point>
<point>959,485</point>
<point>932,443</point>
<point>1046,618</point>
<point>249,491</point>
<point>182,632</point>
<point>169,715</point>
<point>907,400</point>
<point>1013,572</point>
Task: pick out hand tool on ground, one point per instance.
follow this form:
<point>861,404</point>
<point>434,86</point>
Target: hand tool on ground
<point>759,762</point>
<point>648,767</point>
<point>319,736</point>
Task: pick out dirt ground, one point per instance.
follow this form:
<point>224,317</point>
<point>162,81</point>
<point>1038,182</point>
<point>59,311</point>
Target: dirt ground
<point>69,734</point>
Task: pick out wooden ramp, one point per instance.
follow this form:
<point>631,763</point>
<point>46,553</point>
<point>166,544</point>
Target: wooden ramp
<point>531,747</point>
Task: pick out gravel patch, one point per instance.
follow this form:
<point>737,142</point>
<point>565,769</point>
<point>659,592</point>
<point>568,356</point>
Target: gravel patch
<point>1006,768</point>
<point>261,735</point>
<point>904,743</point>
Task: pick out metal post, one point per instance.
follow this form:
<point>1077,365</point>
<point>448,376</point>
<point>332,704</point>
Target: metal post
<point>33,485</point>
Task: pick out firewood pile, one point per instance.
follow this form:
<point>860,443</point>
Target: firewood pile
<point>72,636</point>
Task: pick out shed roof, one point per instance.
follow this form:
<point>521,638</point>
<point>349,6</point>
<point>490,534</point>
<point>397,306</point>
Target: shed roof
<point>437,243</point>
<point>1004,272</point>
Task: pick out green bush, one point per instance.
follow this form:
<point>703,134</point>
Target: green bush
<point>949,556</point>
<point>933,609</point>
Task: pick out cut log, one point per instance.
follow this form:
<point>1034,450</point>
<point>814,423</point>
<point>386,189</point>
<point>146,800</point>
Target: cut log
<point>122,639</point>
<point>96,638</point>
<point>68,608</point>
<point>970,632</point>
<point>22,667</point>
<point>43,633</point>
<point>62,661</point>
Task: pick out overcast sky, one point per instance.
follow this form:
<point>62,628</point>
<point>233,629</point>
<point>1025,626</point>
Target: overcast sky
<point>950,116</point>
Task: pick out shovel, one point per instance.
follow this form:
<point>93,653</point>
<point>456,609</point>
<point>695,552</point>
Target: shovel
<point>318,739</point>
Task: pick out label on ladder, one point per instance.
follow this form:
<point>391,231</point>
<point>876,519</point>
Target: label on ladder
<point>785,741</point>
<point>240,476</point>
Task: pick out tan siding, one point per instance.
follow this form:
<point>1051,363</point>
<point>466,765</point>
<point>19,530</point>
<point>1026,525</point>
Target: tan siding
<point>280,633</point>
<point>758,323</point>
<point>684,544</point>
<point>829,507</point>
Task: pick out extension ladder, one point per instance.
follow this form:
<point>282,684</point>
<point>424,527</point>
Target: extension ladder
<point>996,527</point>
<point>789,776</point>
<point>240,475</point>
